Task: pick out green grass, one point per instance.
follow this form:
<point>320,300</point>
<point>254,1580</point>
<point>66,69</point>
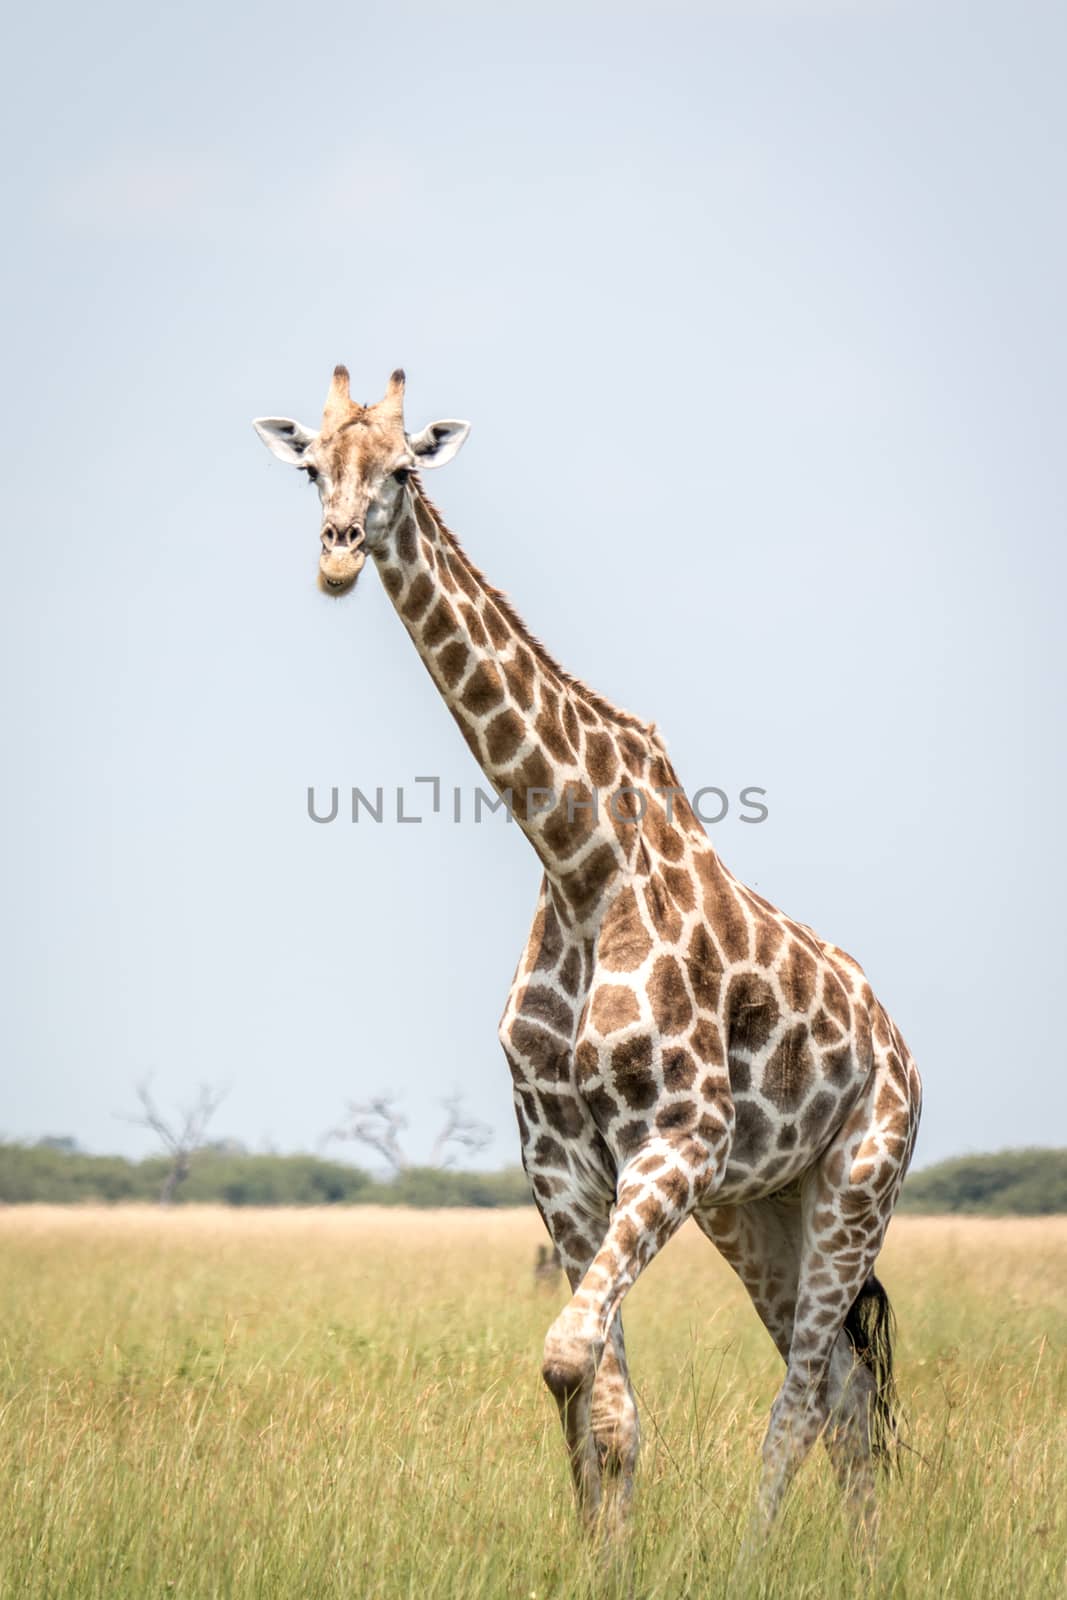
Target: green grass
<point>211,1403</point>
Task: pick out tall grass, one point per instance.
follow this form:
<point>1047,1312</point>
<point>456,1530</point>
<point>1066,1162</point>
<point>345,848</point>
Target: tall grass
<point>209,1403</point>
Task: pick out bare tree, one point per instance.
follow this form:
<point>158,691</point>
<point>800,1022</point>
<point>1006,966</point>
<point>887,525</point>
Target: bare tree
<point>378,1124</point>
<point>181,1136</point>
<point>461,1130</point>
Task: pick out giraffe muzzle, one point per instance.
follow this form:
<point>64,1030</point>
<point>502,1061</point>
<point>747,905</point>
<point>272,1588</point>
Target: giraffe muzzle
<point>341,563</point>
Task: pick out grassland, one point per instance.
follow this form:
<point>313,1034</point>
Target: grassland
<point>216,1403</point>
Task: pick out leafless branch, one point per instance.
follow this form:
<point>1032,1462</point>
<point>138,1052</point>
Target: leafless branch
<point>459,1129</point>
<point>377,1124</point>
<point>180,1136</point>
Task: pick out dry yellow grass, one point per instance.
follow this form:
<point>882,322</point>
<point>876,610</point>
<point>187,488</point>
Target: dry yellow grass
<point>347,1402</point>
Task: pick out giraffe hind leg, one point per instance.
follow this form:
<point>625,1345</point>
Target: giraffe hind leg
<point>762,1241</point>
<point>839,1368</point>
<point>861,1430</point>
<point>870,1329</point>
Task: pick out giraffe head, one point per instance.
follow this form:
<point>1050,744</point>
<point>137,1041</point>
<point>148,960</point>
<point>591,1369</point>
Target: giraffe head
<point>360,461</point>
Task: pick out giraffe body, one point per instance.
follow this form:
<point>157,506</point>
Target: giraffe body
<point>678,1047</point>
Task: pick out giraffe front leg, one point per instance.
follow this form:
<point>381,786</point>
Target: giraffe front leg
<point>603,1434</point>
<point>570,1369</point>
<point>616,1429</point>
<point>656,1192</point>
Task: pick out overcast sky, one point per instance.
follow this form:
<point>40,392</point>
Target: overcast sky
<point>757,312</point>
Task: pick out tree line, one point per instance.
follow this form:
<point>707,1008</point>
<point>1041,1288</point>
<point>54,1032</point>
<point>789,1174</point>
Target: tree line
<point>1013,1182</point>
<point>48,1173</point>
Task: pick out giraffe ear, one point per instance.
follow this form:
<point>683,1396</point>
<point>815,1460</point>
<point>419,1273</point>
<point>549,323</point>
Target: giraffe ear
<point>438,443</point>
<point>286,439</point>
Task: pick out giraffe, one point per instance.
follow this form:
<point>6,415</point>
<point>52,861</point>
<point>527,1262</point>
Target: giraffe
<point>678,1046</point>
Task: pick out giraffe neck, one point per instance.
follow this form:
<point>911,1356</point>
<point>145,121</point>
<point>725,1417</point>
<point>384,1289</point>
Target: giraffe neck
<point>557,751</point>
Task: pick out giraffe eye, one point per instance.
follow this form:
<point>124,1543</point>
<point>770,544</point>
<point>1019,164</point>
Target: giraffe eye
<point>313,476</point>
<point>401,475</point>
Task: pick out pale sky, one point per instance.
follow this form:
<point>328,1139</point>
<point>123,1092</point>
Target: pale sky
<point>757,312</point>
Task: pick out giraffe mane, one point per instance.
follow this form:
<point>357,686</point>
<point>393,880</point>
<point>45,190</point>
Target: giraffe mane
<point>596,701</point>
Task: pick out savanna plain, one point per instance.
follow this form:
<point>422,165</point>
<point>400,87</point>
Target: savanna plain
<point>348,1402</point>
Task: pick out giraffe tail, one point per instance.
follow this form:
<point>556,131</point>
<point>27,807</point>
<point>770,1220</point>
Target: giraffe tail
<point>870,1328</point>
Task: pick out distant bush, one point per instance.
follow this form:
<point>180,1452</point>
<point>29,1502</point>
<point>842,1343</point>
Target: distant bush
<point>56,1176</point>
<point>44,1173</point>
<point>430,1186</point>
<point>249,1180</point>
<point>1027,1183</point>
